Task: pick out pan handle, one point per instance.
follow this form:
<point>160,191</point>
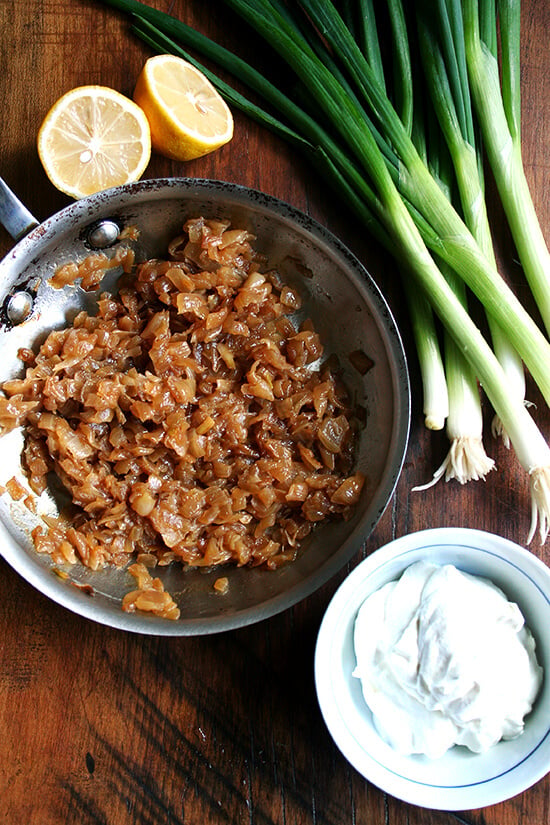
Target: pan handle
<point>14,216</point>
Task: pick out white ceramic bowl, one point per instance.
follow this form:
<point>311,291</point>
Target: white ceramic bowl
<point>460,780</point>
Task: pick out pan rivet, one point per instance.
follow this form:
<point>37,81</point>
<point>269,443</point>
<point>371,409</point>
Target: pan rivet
<point>103,234</point>
<point>19,307</point>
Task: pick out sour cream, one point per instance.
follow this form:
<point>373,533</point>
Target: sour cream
<point>444,658</point>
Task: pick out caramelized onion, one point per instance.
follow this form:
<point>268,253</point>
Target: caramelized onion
<point>186,418</point>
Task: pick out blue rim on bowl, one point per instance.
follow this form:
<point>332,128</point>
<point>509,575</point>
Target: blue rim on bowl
<point>460,780</point>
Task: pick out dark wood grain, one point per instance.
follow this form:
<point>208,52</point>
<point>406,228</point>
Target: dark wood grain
<point>102,728</point>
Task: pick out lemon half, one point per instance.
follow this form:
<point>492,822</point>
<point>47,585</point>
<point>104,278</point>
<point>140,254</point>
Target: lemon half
<point>187,116</point>
<point>93,138</point>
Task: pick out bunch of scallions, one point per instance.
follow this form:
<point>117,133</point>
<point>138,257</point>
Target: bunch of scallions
<point>398,125</point>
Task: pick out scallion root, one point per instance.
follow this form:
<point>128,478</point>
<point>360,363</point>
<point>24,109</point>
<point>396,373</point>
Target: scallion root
<point>539,487</point>
<point>498,431</point>
<point>465,461</point>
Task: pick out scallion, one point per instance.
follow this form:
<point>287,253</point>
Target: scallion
<point>442,49</point>
<point>497,100</point>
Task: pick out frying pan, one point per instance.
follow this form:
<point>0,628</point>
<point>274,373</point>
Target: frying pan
<point>348,311</point>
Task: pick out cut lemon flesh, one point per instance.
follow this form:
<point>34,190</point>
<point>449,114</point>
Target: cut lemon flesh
<point>93,138</point>
<point>187,116</point>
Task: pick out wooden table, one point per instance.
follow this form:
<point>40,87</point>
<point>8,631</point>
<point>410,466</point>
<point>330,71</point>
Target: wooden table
<point>98,727</point>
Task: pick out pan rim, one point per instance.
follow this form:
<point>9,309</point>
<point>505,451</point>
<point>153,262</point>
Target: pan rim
<point>88,208</point>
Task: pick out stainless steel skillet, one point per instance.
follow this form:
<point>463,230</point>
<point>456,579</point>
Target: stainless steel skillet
<point>339,295</point>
